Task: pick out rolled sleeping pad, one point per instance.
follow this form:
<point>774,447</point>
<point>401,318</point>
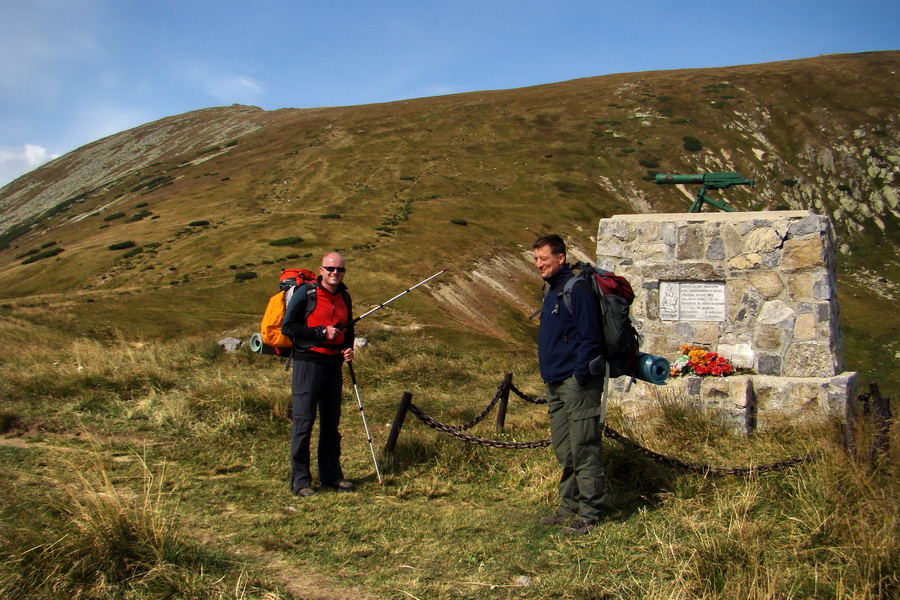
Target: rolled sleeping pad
<point>651,368</point>
<point>257,345</point>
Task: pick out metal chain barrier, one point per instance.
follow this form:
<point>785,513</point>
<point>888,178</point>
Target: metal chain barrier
<point>701,468</point>
<point>533,399</point>
<point>607,431</point>
<point>500,389</point>
<point>453,431</point>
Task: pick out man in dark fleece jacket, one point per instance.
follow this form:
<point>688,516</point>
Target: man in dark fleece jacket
<point>567,343</point>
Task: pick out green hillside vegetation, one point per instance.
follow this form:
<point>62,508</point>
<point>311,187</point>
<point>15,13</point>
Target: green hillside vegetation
<point>141,461</point>
<point>383,182</point>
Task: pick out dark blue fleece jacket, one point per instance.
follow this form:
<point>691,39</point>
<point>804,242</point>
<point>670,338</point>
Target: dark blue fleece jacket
<point>568,341</point>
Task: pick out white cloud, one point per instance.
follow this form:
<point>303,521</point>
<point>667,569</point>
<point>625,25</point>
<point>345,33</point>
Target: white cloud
<point>233,88</point>
<point>17,162</point>
<point>221,84</point>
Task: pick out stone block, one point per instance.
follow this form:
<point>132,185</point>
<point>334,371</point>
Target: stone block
<point>745,262</point>
<point>768,283</point>
<point>805,327</point>
<point>776,312</point>
<point>740,356</point>
<point>762,241</point>
<point>801,287</point>
<point>802,254</point>
<point>769,338</point>
<point>809,359</point>
<point>768,364</point>
<point>690,243</point>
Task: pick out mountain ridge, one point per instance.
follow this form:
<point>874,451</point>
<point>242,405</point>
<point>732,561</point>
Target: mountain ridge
<point>404,188</point>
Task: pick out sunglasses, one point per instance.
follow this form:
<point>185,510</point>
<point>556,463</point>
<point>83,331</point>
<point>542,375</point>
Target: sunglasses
<point>333,269</point>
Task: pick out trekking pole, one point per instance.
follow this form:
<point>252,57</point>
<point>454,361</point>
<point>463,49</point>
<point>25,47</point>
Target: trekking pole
<point>383,304</point>
<point>362,412</point>
<point>365,425</point>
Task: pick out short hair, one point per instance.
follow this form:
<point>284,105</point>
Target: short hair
<point>556,243</point>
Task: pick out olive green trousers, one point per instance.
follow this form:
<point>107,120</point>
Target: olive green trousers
<point>576,430</point>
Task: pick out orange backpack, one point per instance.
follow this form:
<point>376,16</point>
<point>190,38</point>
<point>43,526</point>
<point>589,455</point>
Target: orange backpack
<point>270,328</point>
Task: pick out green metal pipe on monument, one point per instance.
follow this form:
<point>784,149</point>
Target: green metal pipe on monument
<point>714,181</point>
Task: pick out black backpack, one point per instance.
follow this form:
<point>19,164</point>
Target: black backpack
<point>615,296</point>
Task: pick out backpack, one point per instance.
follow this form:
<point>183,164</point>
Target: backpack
<point>614,296</point>
<point>270,327</point>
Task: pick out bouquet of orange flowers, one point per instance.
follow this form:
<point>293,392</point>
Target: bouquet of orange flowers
<point>697,361</point>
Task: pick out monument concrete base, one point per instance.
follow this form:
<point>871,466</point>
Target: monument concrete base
<point>746,402</point>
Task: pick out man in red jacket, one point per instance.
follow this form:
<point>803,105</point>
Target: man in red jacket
<point>313,320</point>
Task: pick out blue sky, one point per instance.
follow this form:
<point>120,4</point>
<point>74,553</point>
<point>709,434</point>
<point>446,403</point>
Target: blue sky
<point>74,71</point>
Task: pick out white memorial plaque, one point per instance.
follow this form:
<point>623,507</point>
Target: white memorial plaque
<point>692,300</point>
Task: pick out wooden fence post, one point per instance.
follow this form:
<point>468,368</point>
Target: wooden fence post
<point>504,400</point>
<point>397,425</point>
<point>850,411</point>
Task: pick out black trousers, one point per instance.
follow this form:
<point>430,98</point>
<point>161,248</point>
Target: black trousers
<point>316,387</point>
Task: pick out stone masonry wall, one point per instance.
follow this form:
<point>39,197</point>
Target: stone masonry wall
<point>781,315</point>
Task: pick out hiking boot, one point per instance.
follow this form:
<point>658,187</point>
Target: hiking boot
<point>579,527</point>
<point>554,519</point>
<point>305,492</point>
<point>342,485</point>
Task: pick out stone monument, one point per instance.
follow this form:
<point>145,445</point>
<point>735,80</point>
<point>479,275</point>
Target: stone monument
<point>756,287</point>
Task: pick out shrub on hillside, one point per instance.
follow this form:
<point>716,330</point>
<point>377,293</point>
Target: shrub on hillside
<point>114,216</point>
<point>245,275</point>
<point>459,221</point>
<point>122,245</point>
<point>288,241</point>
<point>691,143</point>
<point>198,223</point>
<point>138,216</point>
<point>42,255</point>
<point>156,182</point>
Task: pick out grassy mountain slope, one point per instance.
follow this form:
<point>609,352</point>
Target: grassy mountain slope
<point>463,182</point>
<point>141,461</point>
